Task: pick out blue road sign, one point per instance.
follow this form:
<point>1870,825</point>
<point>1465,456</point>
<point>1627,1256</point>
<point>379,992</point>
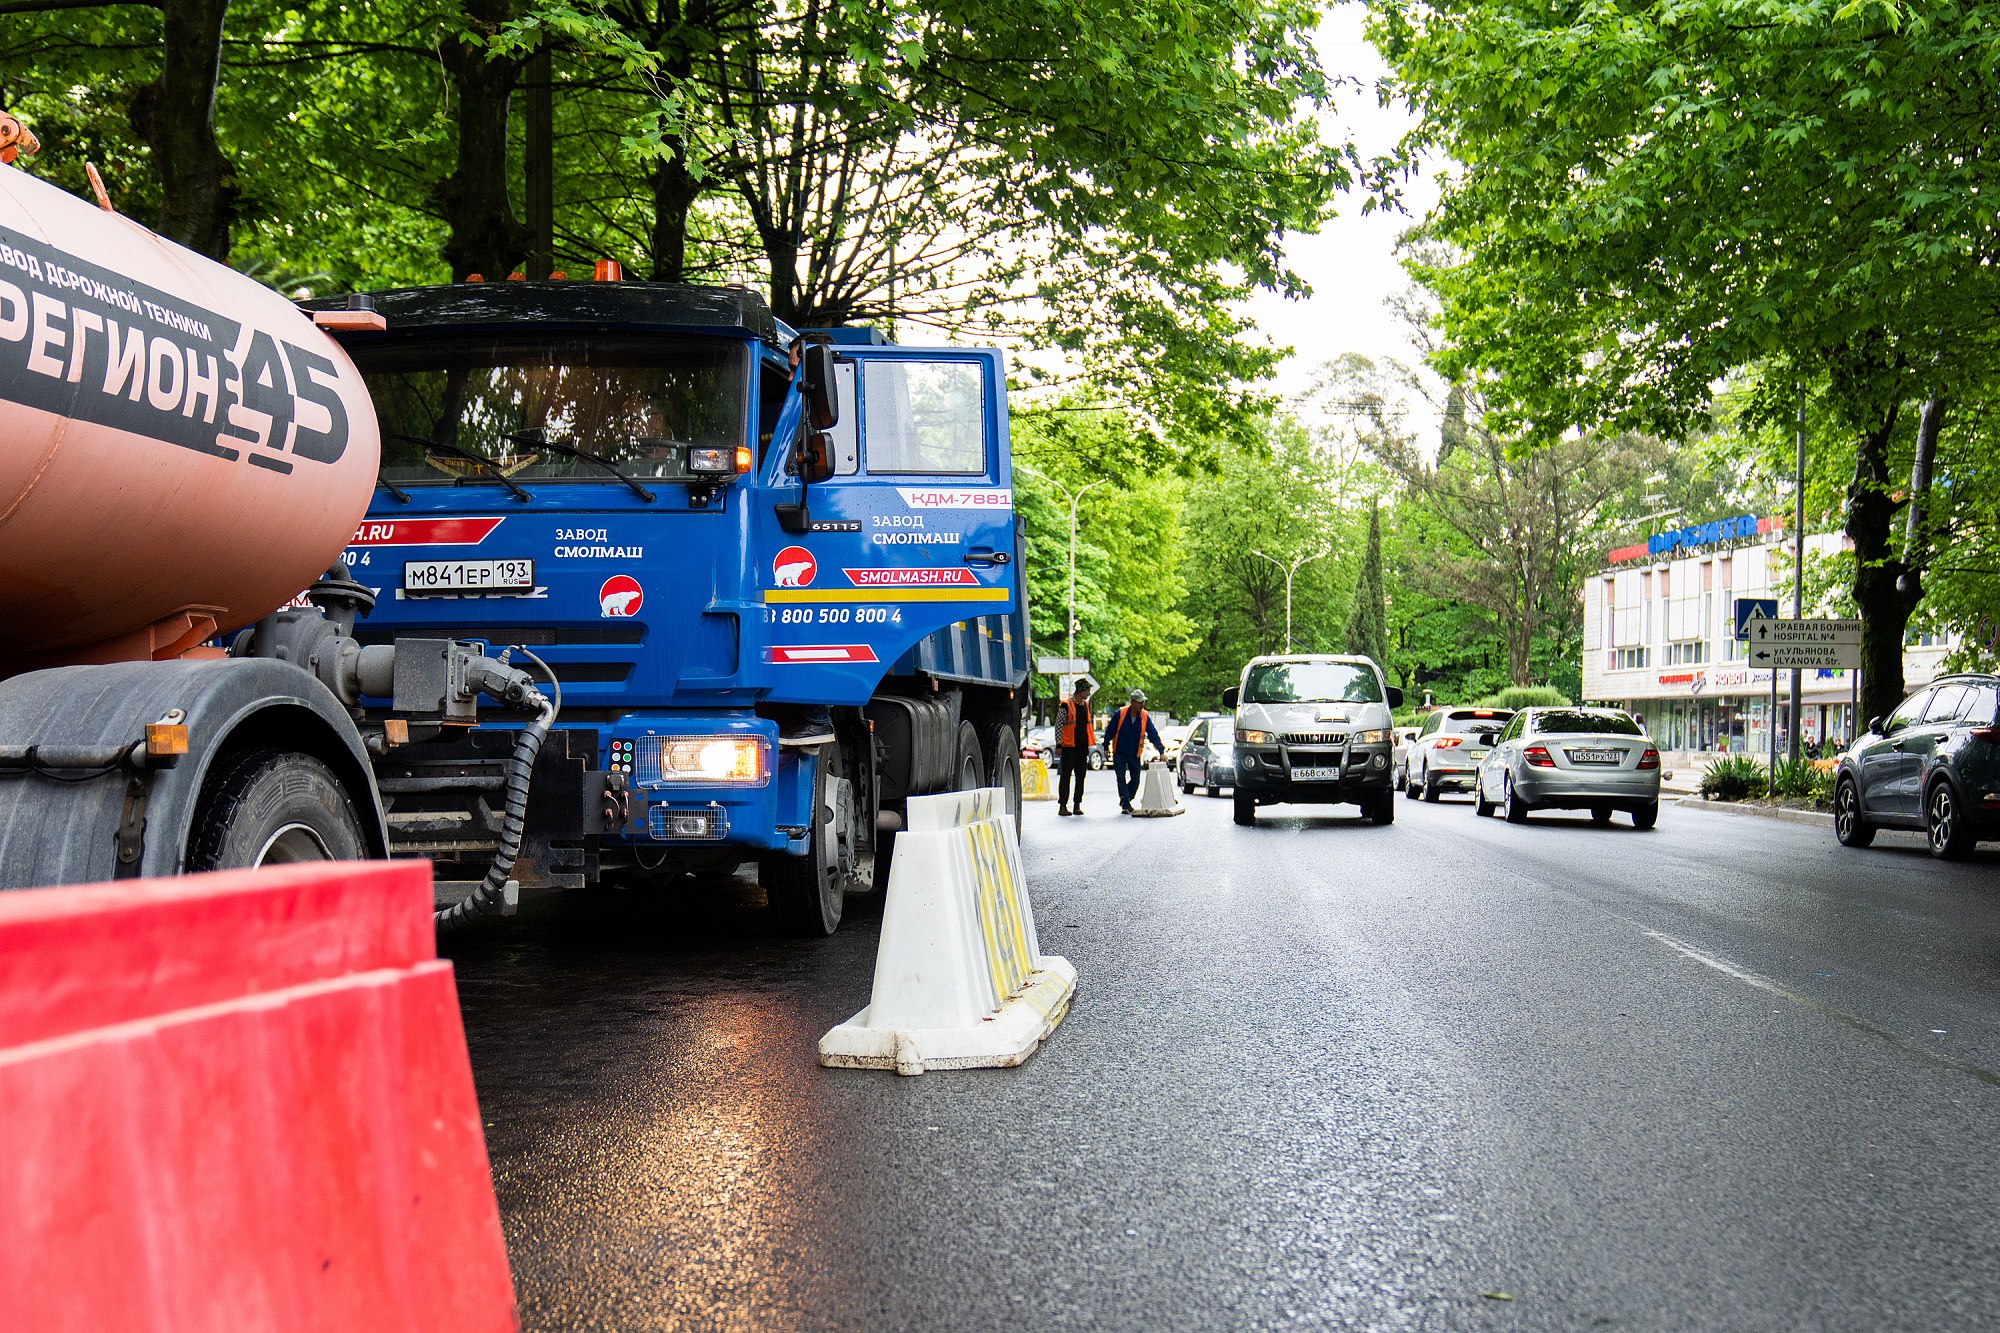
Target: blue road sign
<point>1754,608</point>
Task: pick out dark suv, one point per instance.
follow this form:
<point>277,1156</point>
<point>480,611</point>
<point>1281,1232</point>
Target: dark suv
<point>1934,765</point>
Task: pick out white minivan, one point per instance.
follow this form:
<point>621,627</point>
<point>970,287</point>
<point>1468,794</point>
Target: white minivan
<point>1314,729</point>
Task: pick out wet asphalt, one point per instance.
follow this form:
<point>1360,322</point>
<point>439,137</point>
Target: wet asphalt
<point>1447,1074</point>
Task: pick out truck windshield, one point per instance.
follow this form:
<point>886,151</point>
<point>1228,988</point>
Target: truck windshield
<point>1311,682</point>
<point>639,403</point>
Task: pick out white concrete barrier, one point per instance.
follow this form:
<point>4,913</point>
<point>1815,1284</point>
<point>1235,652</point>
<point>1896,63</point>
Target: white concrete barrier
<point>960,979</point>
<point>1157,797</point>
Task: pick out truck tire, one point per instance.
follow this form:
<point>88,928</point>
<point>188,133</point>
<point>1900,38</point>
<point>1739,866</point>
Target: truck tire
<point>805,897</point>
<point>1003,768</point>
<point>968,770</point>
<point>272,807</point>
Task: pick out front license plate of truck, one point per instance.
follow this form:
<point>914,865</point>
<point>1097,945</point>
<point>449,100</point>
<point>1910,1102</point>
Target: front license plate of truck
<point>468,576</point>
<point>1315,775</point>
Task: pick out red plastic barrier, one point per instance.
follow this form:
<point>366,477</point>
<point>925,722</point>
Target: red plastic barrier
<point>240,1101</point>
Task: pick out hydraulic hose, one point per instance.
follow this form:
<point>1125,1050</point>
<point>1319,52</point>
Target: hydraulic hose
<point>492,890</point>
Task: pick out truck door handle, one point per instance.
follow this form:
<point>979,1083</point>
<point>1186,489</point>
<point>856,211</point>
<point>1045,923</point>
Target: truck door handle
<point>981,556</point>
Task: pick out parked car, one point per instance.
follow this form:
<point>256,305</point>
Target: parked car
<point>1314,729</point>
<point>1208,759</point>
<point>1448,750</point>
<point>1933,765</point>
<point>1173,738</point>
<point>1595,759</point>
<point>1399,758</point>
<point>1039,743</point>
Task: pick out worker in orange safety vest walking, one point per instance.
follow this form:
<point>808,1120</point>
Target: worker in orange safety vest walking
<point>1073,742</point>
<point>1125,736</point>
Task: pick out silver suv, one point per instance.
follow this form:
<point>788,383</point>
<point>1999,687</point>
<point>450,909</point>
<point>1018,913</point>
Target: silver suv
<point>1446,754</point>
<point>1313,729</point>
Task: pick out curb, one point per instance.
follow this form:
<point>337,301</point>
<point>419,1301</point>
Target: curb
<point>1813,818</point>
<point>1816,818</point>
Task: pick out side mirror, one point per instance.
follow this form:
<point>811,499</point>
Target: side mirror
<point>1874,726</point>
<point>1229,697</point>
<point>1395,697</point>
<point>814,460</point>
<point>816,380</point>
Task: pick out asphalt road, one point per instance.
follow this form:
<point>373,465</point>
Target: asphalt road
<point>1721,1075</point>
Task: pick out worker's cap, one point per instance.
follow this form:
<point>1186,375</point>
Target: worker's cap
<point>1138,696</point>
<point>1081,687</point>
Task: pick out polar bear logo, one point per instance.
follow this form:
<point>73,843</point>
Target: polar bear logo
<point>794,567</point>
<point>619,603</point>
<point>788,575</point>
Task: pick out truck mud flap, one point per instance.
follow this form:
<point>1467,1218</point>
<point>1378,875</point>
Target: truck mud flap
<point>915,740</point>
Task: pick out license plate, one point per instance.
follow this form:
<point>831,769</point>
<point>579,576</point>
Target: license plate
<point>468,576</point>
<point>1597,756</point>
<point>1475,754</point>
<point>1316,774</point>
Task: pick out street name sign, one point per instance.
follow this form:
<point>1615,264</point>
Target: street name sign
<point>1806,656</point>
<point>1062,666</point>
<point>1763,630</point>
<point>1762,608</point>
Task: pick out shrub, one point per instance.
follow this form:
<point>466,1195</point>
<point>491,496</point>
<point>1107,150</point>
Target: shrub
<point>1733,778</point>
<point>1803,778</point>
<point>1517,697</point>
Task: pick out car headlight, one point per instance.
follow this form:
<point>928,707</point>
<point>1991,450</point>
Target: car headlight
<point>736,761</point>
<point>1371,737</point>
<point>1255,738</point>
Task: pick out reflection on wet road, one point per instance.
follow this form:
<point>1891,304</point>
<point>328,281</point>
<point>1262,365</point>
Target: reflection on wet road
<point>1725,1074</point>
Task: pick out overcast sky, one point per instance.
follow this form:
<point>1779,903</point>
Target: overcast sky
<point>1351,264</point>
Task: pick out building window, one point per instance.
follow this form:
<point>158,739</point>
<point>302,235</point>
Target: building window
<point>1630,659</point>
<point>1686,654</point>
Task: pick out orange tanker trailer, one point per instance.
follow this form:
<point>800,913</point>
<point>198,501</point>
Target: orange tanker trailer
<point>181,452</point>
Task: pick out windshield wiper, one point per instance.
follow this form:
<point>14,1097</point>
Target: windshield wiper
<point>469,457</point>
<point>537,438</point>
<point>394,489</point>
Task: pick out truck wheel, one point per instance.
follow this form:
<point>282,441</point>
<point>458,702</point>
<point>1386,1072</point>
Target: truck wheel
<point>272,807</point>
<point>804,895</point>
<point>1003,770</point>
<point>969,770</point>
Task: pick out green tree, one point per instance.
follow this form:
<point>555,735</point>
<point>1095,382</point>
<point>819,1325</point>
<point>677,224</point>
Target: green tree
<point>1367,631</point>
<point>1652,198</point>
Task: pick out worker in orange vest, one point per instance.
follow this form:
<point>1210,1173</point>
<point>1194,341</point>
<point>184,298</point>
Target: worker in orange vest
<point>1125,736</point>
<point>1073,742</point>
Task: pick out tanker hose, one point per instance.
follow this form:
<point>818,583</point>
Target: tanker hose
<point>492,890</point>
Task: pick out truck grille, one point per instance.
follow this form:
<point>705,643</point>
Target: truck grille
<point>686,823</point>
<point>1314,738</point>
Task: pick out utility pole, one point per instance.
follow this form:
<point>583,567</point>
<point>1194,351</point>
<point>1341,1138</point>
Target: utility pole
<point>1290,570</point>
<point>1074,497</point>
<point>1799,567</point>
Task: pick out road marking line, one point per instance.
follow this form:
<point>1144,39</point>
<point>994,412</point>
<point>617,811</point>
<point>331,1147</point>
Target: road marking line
<point>1896,1039</point>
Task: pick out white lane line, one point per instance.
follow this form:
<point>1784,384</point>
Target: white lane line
<point>1896,1039</point>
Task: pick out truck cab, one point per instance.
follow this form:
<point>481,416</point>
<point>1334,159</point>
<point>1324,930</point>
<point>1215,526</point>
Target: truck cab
<point>774,576</point>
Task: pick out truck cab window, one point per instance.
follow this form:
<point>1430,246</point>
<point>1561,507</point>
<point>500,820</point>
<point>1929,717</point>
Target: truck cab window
<point>925,417</point>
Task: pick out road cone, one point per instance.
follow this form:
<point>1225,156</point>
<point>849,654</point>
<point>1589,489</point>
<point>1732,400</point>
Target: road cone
<point>1157,797</point>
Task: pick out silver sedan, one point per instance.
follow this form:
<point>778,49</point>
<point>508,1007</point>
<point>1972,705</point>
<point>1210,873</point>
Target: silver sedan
<point>1595,759</point>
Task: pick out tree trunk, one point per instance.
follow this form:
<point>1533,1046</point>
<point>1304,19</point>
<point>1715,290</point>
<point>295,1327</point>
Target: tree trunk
<point>1885,591</point>
<point>674,193</point>
<point>175,116</point>
<point>538,174</point>
<point>486,238</point>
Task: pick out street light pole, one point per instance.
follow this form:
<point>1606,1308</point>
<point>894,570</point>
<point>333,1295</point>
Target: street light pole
<point>1074,498</point>
<point>1290,570</point>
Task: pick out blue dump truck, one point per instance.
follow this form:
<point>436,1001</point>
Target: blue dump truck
<point>773,577</point>
<point>649,584</point>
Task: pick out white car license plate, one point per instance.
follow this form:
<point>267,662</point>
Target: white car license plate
<point>468,576</point>
<point>1475,754</point>
<point>1316,774</point>
<point>1597,756</point>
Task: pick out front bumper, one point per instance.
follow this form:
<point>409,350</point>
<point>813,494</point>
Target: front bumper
<point>1265,772</point>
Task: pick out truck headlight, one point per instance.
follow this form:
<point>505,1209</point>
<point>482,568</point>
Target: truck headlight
<point>718,462</point>
<point>736,761</point>
<point>1371,737</point>
<point>1254,738</point>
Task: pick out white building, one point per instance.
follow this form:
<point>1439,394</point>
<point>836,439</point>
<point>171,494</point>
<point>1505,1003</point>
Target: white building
<point>1659,639</point>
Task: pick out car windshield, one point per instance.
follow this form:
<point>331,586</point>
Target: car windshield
<point>1570,721</point>
<point>1311,683</point>
<point>1474,721</point>
<point>639,403</point>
